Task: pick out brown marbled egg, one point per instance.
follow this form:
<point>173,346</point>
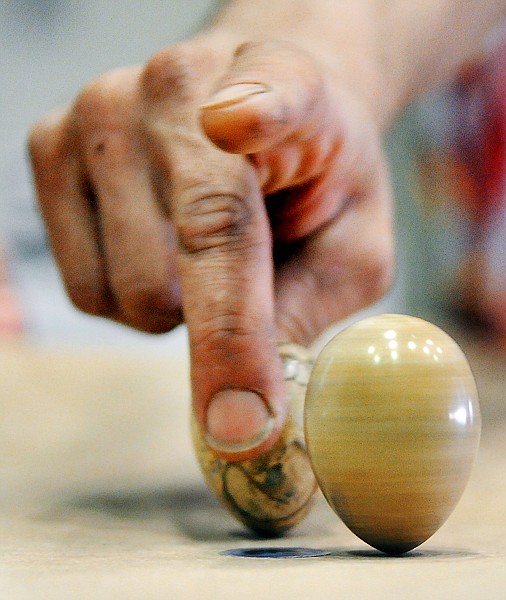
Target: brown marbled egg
<point>273,492</point>
<point>392,424</point>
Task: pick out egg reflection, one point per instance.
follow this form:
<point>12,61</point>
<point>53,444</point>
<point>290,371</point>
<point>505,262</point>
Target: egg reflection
<point>460,416</point>
<point>393,350</point>
<point>392,429</point>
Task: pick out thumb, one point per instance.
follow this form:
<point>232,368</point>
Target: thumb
<point>272,91</point>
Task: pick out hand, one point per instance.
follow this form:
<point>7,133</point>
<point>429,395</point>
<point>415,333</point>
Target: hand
<point>243,193</point>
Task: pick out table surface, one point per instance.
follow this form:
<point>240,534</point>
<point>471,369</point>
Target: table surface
<point>101,497</point>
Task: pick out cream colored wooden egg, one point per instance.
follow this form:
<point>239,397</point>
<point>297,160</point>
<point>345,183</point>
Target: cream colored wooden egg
<point>392,426</point>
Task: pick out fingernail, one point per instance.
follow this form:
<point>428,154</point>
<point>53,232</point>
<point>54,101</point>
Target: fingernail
<point>234,94</point>
<point>237,421</point>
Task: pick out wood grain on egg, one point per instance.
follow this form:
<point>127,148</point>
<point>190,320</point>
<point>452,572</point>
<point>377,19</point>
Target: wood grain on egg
<point>273,492</point>
<point>393,426</point>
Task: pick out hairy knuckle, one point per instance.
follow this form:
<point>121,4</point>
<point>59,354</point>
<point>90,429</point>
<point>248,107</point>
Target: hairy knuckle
<point>212,222</point>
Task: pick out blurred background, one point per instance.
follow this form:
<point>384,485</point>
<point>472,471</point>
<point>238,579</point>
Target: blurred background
<point>50,48</point>
<point>98,490</point>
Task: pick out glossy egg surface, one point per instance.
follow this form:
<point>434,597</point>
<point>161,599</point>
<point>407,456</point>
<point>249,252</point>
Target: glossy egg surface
<point>392,425</point>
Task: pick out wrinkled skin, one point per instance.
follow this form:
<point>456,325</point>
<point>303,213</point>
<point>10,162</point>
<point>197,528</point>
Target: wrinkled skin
<point>255,218</point>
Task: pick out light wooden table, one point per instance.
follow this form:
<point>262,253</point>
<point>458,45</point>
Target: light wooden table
<point>101,498</point>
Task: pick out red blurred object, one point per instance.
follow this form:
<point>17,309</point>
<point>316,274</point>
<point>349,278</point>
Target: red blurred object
<point>464,173</point>
<point>11,317</point>
<point>480,138</point>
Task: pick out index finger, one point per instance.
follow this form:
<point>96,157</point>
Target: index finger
<point>226,272</point>
<point>225,265</point>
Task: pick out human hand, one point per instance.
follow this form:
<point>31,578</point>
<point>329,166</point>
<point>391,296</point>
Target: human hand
<point>246,196</point>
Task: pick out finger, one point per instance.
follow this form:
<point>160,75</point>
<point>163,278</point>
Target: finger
<point>139,242</point>
<point>289,121</point>
<point>298,133</point>
<point>349,171</point>
<point>225,267</point>
<point>272,91</point>
<point>226,273</point>
<point>344,267</point>
<point>71,222</point>
<point>138,239</point>
<point>227,281</point>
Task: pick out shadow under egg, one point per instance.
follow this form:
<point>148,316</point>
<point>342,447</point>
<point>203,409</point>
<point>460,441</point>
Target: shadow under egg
<point>347,554</point>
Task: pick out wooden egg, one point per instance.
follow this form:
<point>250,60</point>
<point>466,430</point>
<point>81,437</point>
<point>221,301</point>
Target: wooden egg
<point>392,425</point>
<point>273,492</point>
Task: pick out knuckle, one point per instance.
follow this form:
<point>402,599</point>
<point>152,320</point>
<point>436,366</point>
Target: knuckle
<point>104,116</point>
<point>213,222</point>
<point>224,328</point>
<point>101,102</point>
<point>174,72</point>
<point>37,137</point>
<point>43,140</point>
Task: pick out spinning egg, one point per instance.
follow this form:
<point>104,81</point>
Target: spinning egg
<point>392,427</point>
